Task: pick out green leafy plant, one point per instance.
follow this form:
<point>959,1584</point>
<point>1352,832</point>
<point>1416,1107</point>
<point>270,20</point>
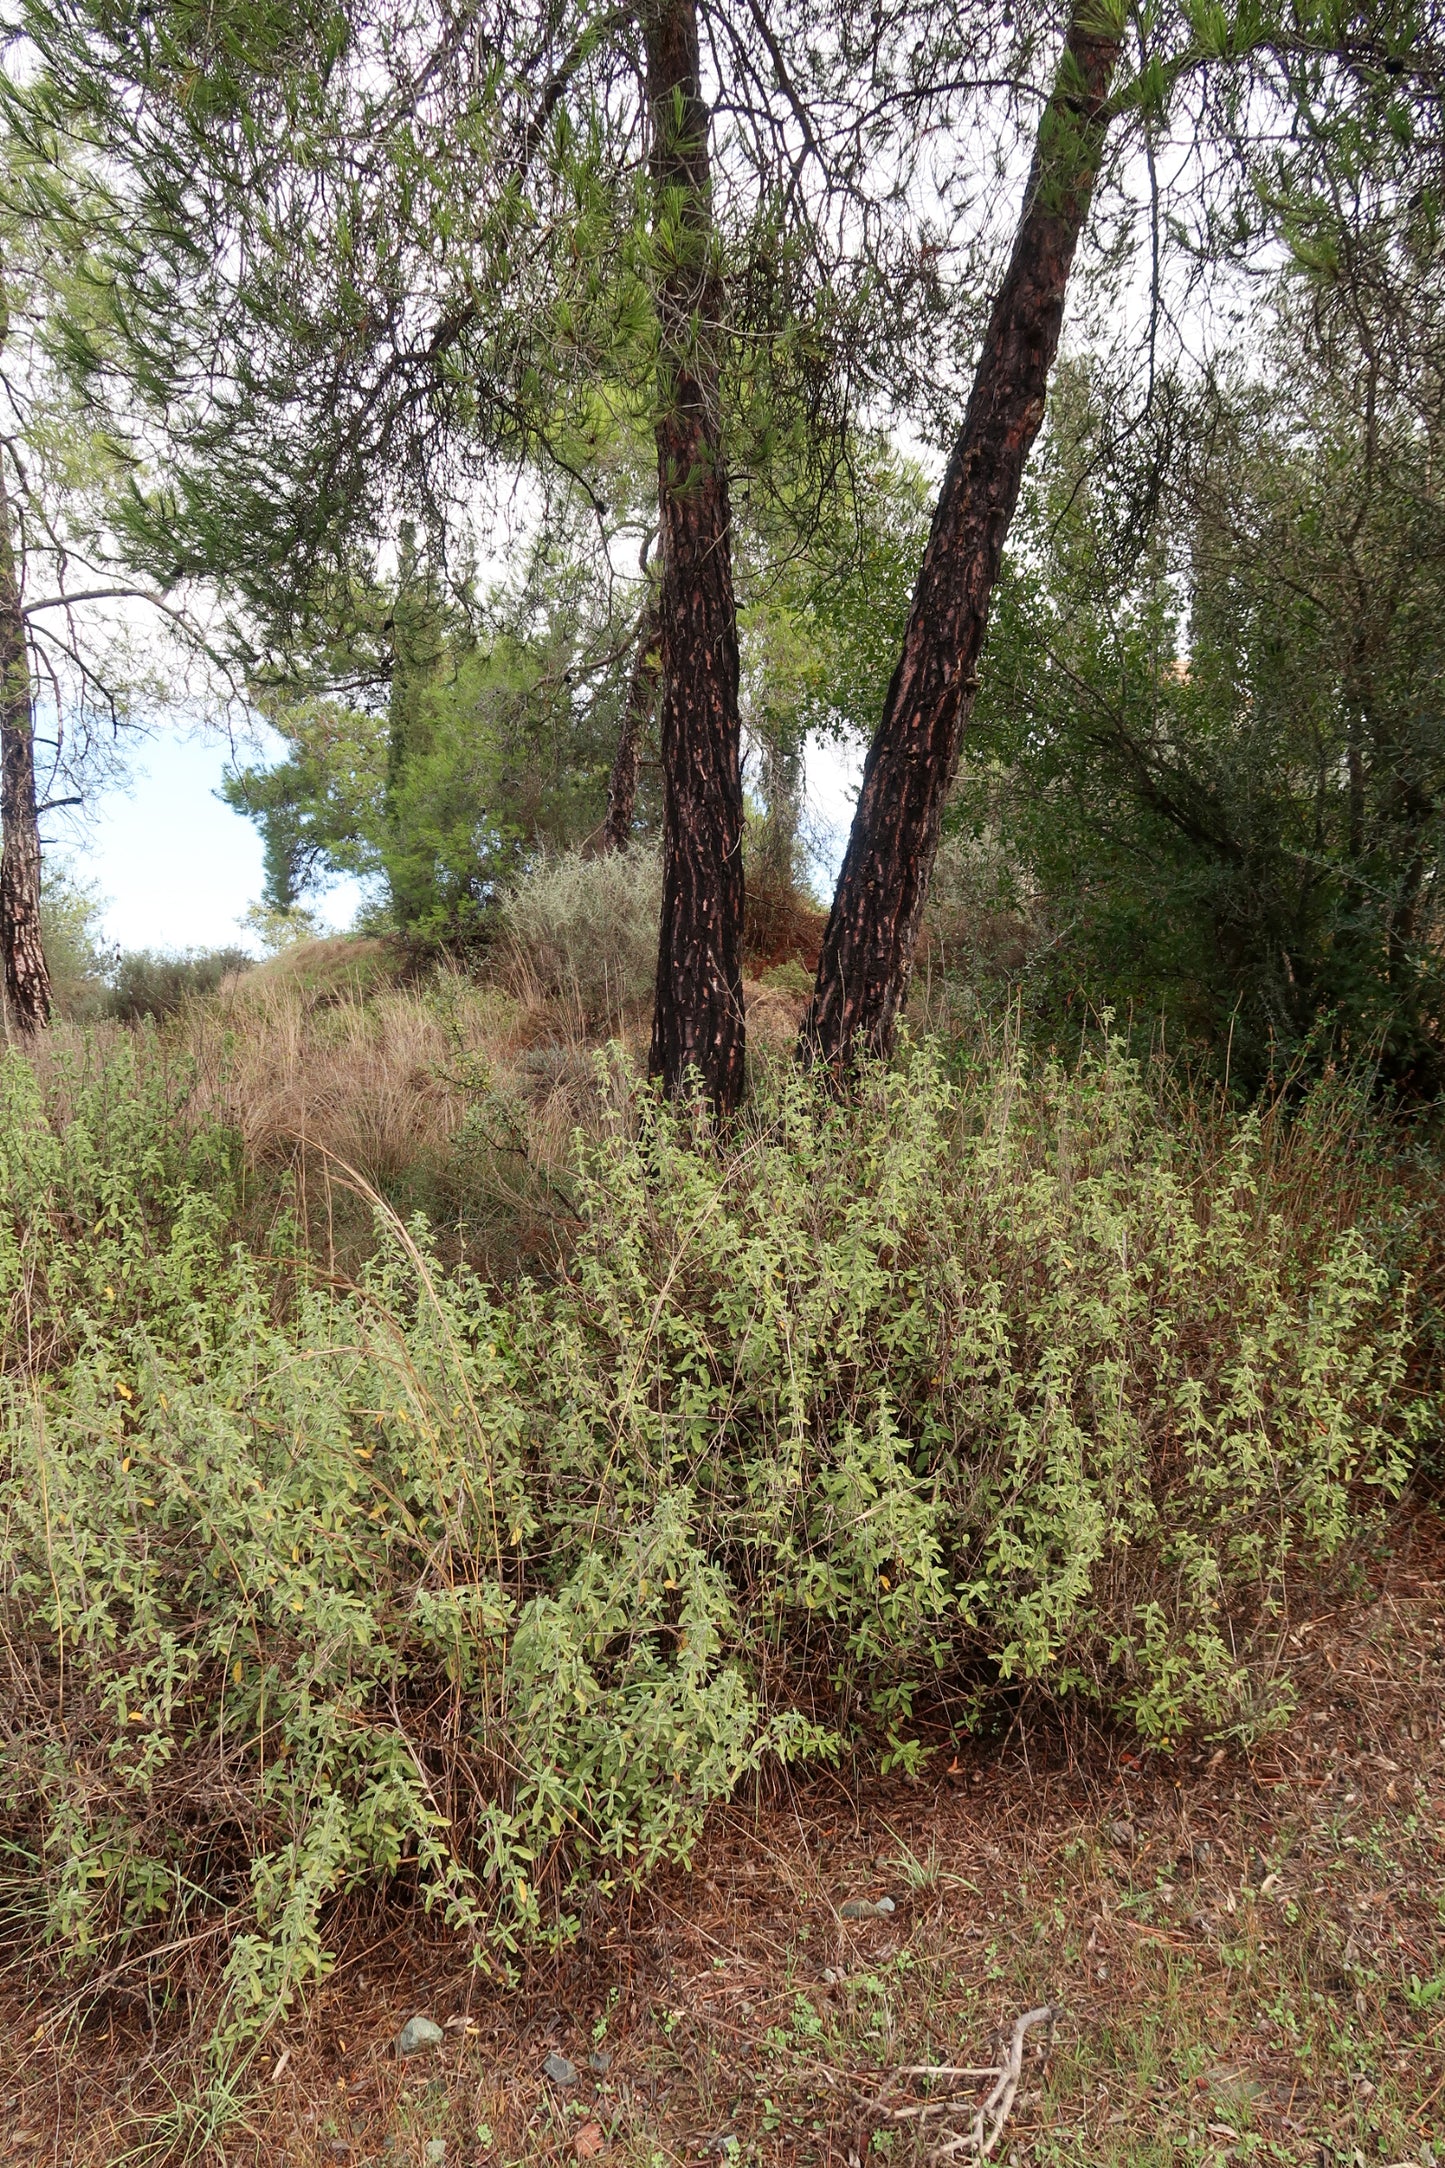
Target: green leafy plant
<point>486,1595</point>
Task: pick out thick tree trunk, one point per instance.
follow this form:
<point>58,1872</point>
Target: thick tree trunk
<point>868,948</point>
<point>698,1017</point>
<point>636,715</point>
<point>27,981</point>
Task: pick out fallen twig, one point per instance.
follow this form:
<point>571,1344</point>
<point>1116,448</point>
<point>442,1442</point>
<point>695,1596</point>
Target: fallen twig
<point>947,2070</point>
<point>987,2121</point>
<point>980,2140</point>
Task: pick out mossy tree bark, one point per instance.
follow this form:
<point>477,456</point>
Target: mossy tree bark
<point>868,949</point>
<point>698,1012</point>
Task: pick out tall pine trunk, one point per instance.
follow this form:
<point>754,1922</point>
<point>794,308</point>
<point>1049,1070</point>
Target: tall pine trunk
<point>636,716</point>
<point>27,981</point>
<point>698,1014</point>
<point>868,949</point>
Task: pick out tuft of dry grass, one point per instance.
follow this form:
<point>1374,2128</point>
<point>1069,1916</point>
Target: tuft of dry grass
<point>452,1094</point>
<point>456,1093</point>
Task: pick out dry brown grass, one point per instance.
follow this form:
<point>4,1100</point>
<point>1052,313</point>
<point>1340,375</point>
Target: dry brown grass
<point>374,1082</point>
<point>459,1094</point>
<point>450,1094</point>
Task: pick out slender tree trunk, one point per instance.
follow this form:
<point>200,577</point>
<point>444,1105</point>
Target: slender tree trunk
<point>698,1017</point>
<point>868,948</point>
<point>636,715</point>
<point>773,846</point>
<point>27,981</point>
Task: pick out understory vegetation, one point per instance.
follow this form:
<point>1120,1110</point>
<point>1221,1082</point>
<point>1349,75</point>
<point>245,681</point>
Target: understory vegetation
<point>400,1566</point>
<point>680,1316</point>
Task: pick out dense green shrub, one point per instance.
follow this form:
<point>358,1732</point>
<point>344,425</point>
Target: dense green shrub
<point>1005,1379</point>
<point>152,983</point>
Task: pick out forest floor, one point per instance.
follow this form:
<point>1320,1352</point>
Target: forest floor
<point>1247,1955</point>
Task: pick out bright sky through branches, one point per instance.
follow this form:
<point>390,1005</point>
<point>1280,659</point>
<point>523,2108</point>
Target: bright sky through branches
<point>174,866</point>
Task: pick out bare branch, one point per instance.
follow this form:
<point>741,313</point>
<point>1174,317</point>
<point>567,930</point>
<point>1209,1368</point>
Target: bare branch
<point>987,2120</point>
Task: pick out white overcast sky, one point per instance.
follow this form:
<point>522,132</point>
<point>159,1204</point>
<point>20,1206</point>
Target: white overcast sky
<point>172,865</point>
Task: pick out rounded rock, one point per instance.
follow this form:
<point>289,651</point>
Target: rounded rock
<point>418,2034</point>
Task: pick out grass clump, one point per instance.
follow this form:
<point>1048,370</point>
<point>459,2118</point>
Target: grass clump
<point>311,1584</point>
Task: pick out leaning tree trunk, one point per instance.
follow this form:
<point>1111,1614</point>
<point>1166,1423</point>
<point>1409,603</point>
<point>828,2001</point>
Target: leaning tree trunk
<point>868,948</point>
<point>636,716</point>
<point>27,981</point>
<point>698,1015</point>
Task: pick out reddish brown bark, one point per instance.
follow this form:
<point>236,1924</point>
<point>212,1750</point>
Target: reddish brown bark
<point>868,949</point>
<point>636,715</point>
<point>698,1013</point>
<point>27,980</point>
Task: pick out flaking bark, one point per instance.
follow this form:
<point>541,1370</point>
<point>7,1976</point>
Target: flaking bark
<point>868,949</point>
<point>698,1012</point>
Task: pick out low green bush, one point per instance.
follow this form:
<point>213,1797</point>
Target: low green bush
<point>152,983</point>
<point>959,1382</point>
<point>584,930</point>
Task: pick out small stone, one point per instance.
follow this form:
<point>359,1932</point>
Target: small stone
<point>559,2070</point>
<point>418,2034</point>
<point>863,1908</point>
<point>436,2153</point>
<point>599,2062</point>
<point>1124,1835</point>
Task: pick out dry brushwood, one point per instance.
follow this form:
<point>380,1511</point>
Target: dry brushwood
<point>986,2120</point>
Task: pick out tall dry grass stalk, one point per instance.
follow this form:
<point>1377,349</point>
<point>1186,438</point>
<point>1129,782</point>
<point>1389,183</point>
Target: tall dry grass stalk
<point>456,1096</point>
